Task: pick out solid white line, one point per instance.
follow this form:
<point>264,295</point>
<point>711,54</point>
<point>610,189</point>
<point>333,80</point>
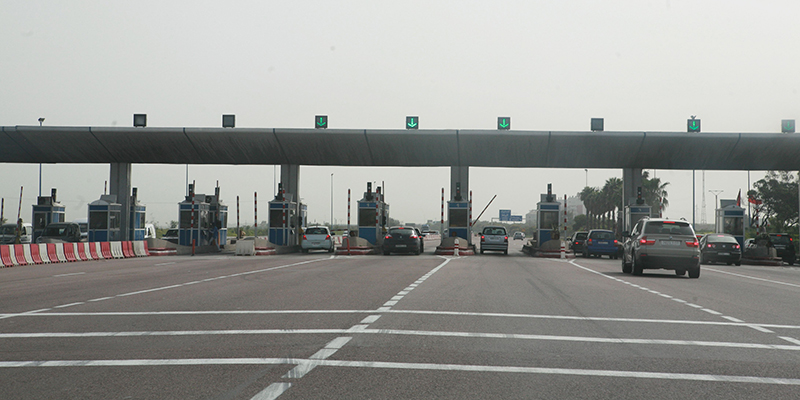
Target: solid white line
<point>361,329</point>
<point>390,303</point>
<point>406,366</point>
<point>753,277</point>
<point>101,299</point>
<point>387,310</point>
<point>332,347</point>
<point>338,343</point>
<point>166,263</point>
<point>69,305</point>
<point>760,328</point>
<point>711,311</point>
<point>732,318</point>
<point>75,273</point>
<point>272,391</point>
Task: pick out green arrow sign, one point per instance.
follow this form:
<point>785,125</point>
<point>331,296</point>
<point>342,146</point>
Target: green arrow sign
<point>321,122</point>
<point>787,126</point>
<point>412,122</point>
<point>692,125</point>
<point>503,123</point>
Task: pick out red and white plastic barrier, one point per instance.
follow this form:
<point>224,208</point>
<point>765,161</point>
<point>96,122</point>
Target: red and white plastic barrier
<point>13,255</point>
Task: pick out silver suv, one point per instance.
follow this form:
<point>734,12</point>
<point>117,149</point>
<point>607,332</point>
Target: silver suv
<point>661,243</point>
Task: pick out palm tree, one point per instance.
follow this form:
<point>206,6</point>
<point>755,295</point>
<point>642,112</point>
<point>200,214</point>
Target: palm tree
<point>612,199</point>
<point>654,192</point>
<point>592,200</point>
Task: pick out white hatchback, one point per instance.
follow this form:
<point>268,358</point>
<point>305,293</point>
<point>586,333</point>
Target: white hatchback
<point>317,238</point>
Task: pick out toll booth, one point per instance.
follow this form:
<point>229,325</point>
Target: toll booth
<point>458,216</point>
<point>105,215</point>
<point>373,215</point>
<point>193,220</point>
<point>547,213</point>
<point>218,212</point>
<point>730,220</point>
<point>634,214</point>
<point>283,216</point>
<point>137,220</point>
<point>46,211</point>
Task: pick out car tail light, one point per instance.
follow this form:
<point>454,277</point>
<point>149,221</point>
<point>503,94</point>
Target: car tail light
<point>645,242</point>
<point>589,242</point>
<point>304,237</point>
<point>506,238</point>
<point>736,246</point>
<point>576,242</point>
<point>615,241</point>
<point>414,236</point>
<point>693,243</point>
<point>710,245</point>
<point>388,237</point>
<point>327,237</point>
<point>483,238</point>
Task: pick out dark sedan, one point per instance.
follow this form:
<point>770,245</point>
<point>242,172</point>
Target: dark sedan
<point>402,239</point>
<point>720,247</point>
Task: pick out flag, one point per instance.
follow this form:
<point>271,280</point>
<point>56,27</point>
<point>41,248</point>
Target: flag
<point>754,201</point>
<point>739,199</point>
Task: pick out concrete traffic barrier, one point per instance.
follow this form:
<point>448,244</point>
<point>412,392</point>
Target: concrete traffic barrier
<point>94,251</point>
<point>140,249</point>
<point>82,250</point>
<point>43,252</point>
<point>69,251</point>
<point>19,254</point>
<point>245,247</point>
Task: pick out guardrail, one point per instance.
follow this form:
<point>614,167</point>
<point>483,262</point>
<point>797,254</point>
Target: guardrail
<point>13,255</point>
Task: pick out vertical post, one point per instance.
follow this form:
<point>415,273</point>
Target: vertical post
<point>442,220</point>
<point>348,222</point>
<point>563,238</point>
<point>2,207</point>
<point>469,233</point>
<point>255,210</point>
<point>19,209</point>
<point>237,218</point>
<point>331,202</point>
<point>191,227</point>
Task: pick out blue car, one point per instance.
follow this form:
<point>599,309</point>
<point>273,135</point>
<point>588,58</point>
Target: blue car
<point>601,242</point>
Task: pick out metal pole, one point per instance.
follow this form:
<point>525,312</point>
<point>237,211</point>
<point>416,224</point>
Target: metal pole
<point>40,179</point>
<point>348,222</point>
<point>2,207</point>
<point>442,221</point>
<point>19,209</point>
<point>693,196</point>
<point>237,218</point>
<point>255,210</point>
<point>191,227</point>
<point>331,202</point>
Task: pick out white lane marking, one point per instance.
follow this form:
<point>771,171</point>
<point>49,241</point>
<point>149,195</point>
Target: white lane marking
<point>790,339</point>
<point>362,330</point>
<point>732,318</point>
<point>711,311</point>
<point>272,391</point>
<point>752,277</point>
<point>760,328</point>
<point>370,319</point>
<point>400,365</point>
<point>70,304</point>
<point>694,305</point>
<point>166,263</point>
<point>332,347</point>
<point>389,303</point>
<point>101,299</point>
<point>386,309</point>
<point>74,273</point>
<point>4,316</point>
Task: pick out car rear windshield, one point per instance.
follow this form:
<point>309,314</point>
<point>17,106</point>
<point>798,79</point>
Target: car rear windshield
<point>779,239</point>
<point>494,231</point>
<point>602,235</point>
<point>317,231</point>
<point>402,231</point>
<point>581,235</point>
<point>668,228</point>
<point>8,230</point>
<point>721,239</point>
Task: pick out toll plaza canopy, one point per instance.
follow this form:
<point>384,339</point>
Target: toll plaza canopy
<point>366,147</point>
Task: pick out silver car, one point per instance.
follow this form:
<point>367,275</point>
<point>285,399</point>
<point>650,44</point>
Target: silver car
<point>494,238</point>
<point>317,238</point>
<point>661,244</point>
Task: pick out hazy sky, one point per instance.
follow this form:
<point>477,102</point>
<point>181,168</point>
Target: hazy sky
<point>550,65</point>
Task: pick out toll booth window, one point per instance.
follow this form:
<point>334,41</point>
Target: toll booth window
<point>366,217</point>
<point>549,220</point>
<point>186,219</point>
<point>204,222</point>
<point>458,217</point>
<point>113,220</point>
<point>734,226</point>
<point>39,220</point>
<point>98,220</point>
<point>141,220</point>
<point>276,218</point>
<point>58,217</point>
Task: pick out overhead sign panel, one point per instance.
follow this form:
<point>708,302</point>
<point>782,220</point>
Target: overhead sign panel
<point>505,215</point>
<point>692,125</point>
<point>787,126</point>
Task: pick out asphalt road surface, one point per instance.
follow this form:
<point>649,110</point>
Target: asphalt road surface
<point>312,326</point>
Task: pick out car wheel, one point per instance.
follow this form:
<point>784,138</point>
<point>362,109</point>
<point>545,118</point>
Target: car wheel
<point>637,267</point>
<point>680,272</point>
<point>304,250</point>
<point>386,252</point>
<point>729,263</point>
<point>330,250</point>
<point>790,261</point>
<point>738,264</point>
<point>505,251</point>
<point>626,267</point>
<point>694,273</point>
<point>481,251</point>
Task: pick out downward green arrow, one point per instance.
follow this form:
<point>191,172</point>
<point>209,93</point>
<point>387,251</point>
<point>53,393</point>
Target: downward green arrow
<point>412,123</point>
<point>321,122</point>
<point>503,123</point>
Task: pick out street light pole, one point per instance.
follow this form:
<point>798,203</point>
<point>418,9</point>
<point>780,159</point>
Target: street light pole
<point>331,202</point>
<point>716,193</point>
